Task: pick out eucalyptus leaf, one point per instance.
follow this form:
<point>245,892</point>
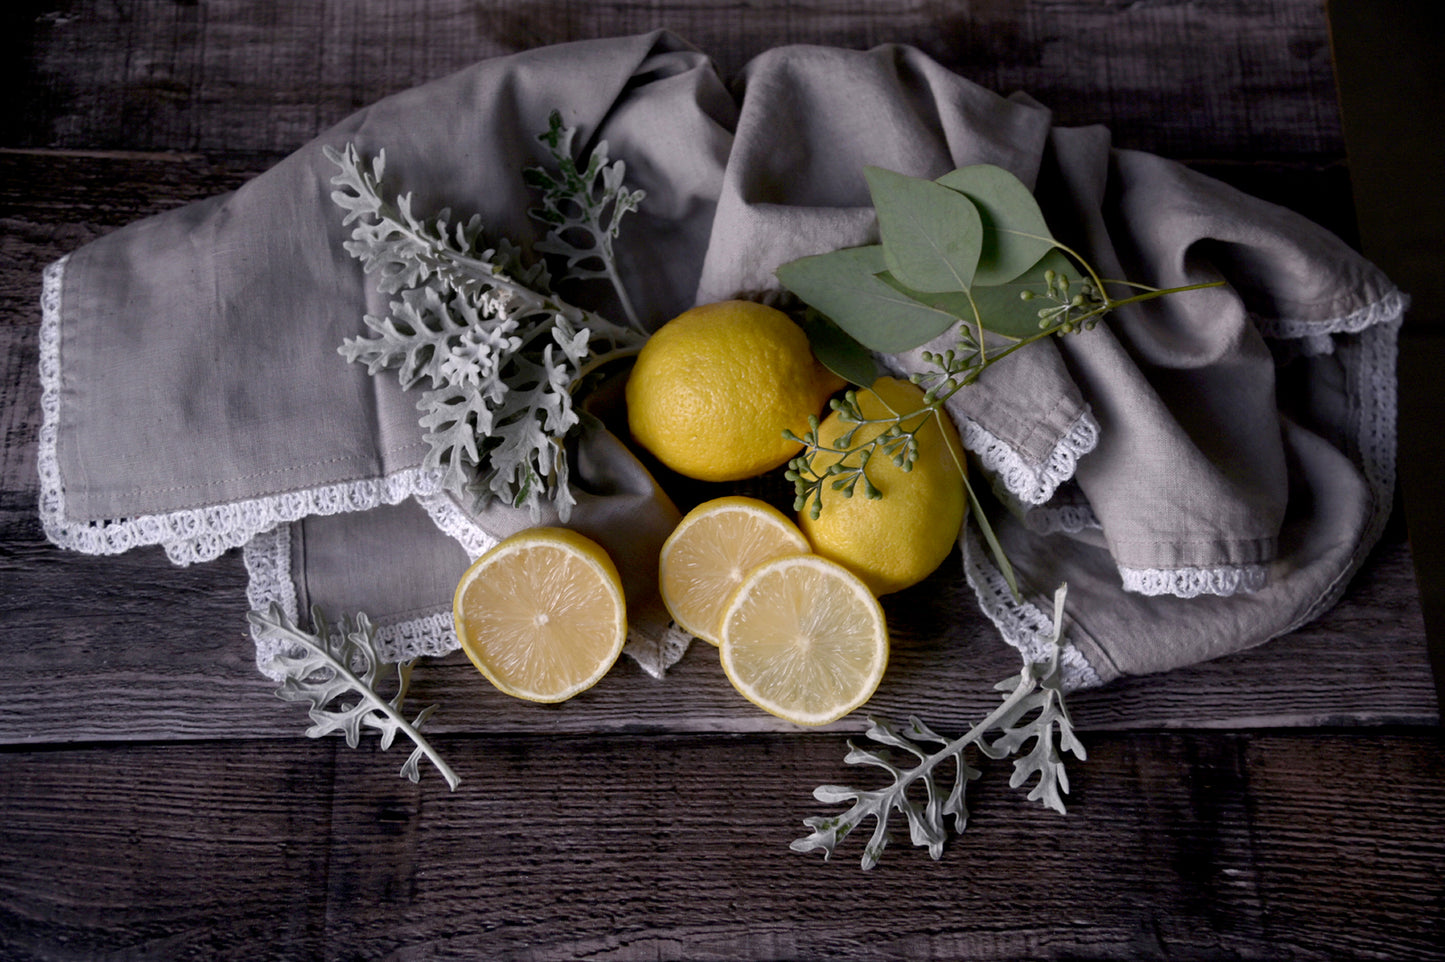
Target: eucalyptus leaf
<point>845,286</point>
<point>838,352</point>
<point>1015,234</point>
<point>932,235</point>
<point>956,304</point>
<point>1004,311</point>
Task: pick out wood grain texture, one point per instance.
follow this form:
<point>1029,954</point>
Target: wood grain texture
<point>1195,846</point>
<point>159,803</point>
<point>1180,77</point>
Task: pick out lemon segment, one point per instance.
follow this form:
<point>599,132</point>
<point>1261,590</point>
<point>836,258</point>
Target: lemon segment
<point>713,390</point>
<point>804,639</point>
<point>542,614</point>
<point>900,538</point>
<point>705,559</point>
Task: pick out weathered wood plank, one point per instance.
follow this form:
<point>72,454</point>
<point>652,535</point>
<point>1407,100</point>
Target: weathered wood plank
<point>158,652</point>
<point>1185,78</point>
<point>1183,846</point>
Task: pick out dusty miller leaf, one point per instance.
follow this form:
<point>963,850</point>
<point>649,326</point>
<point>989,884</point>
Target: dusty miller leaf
<point>495,350</point>
<point>1033,709</point>
<point>334,669</point>
<point>583,208</point>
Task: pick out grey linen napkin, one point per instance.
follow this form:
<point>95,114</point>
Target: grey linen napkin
<point>1205,472</point>
<point>194,397</point>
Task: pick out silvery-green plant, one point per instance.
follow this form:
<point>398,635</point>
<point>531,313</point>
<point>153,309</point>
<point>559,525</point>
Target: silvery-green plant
<point>1033,710</point>
<point>497,352</point>
<point>334,669</point>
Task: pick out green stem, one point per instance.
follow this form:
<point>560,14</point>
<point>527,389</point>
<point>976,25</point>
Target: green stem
<point>1152,293</point>
<point>601,360</point>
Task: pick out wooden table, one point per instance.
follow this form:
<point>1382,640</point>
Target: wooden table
<point>157,802</point>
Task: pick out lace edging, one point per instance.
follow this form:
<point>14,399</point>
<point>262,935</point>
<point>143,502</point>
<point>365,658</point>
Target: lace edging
<point>656,655</point>
<point>1314,335</point>
<point>267,558</point>
<point>194,534</point>
<point>1032,484</point>
<point>1023,625</point>
<point>1223,581</point>
<point>456,524</point>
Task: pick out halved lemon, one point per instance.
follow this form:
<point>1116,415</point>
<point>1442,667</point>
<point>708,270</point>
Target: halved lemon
<point>712,549</point>
<point>542,614</point>
<point>804,639</point>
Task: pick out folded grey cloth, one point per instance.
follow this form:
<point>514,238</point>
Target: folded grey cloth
<point>1204,471</point>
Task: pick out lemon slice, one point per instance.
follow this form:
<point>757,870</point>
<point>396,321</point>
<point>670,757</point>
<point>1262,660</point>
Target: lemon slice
<point>542,614</point>
<point>712,549</point>
<point>804,639</point>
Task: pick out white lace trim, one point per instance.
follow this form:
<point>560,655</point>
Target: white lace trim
<point>1032,483</point>
<point>456,524</point>
<point>1223,580</point>
<point>193,534</point>
<point>429,636</point>
<point>1022,624</point>
<point>656,655</point>
<point>268,568</point>
<point>1370,365</point>
<point>1315,335</point>
<point>268,563</point>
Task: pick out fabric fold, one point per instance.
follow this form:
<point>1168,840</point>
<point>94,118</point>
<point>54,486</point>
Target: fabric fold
<point>1205,471</point>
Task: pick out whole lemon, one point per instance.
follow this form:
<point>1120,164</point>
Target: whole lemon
<point>714,388</point>
<point>901,537</point>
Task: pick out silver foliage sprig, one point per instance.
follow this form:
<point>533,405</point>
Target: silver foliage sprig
<point>497,352</point>
<point>583,208</point>
<point>334,669</point>
<point>1032,711</point>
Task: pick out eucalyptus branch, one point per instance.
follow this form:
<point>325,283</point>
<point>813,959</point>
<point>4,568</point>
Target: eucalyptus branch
<point>951,371</point>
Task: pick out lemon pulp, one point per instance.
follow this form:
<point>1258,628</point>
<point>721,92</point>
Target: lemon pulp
<point>542,615</point>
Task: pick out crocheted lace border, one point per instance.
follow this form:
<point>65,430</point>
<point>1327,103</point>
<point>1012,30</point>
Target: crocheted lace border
<point>1022,624</point>
<point>1032,483</point>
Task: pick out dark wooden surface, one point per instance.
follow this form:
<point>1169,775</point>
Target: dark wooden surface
<point>157,802</point>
